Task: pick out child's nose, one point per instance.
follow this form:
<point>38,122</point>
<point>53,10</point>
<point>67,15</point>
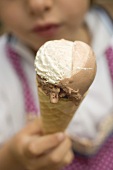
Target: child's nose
<point>39,6</point>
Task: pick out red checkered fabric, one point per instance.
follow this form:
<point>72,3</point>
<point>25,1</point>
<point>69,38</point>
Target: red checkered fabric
<point>15,59</point>
<point>103,160</point>
<point>109,56</point>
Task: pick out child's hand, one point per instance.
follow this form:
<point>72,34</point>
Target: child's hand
<point>32,151</point>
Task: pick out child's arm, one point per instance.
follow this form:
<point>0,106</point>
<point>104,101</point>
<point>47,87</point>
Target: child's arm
<point>29,150</point>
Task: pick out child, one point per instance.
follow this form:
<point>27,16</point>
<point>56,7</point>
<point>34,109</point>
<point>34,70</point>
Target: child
<point>30,23</point>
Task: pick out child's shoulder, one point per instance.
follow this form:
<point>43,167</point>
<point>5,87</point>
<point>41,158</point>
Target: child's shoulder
<point>3,39</point>
<point>4,62</point>
<point>99,17</point>
<point>101,29</point>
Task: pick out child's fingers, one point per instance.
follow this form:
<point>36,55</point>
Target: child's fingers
<point>60,156</point>
<point>61,151</point>
<point>42,144</point>
<point>49,162</point>
<point>68,158</point>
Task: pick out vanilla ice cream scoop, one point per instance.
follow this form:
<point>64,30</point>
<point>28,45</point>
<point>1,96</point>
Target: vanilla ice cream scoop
<point>54,60</point>
<point>65,69</point>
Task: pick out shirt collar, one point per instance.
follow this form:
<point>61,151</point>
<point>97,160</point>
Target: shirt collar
<point>21,49</point>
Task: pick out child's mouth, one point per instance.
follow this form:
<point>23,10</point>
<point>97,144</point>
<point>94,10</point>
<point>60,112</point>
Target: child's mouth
<point>47,30</point>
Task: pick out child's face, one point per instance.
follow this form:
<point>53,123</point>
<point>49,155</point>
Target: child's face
<point>36,21</point>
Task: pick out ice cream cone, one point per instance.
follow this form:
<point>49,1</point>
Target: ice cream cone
<point>55,117</point>
<point>62,81</point>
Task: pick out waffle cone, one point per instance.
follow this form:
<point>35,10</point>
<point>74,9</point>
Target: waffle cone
<point>55,117</point>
